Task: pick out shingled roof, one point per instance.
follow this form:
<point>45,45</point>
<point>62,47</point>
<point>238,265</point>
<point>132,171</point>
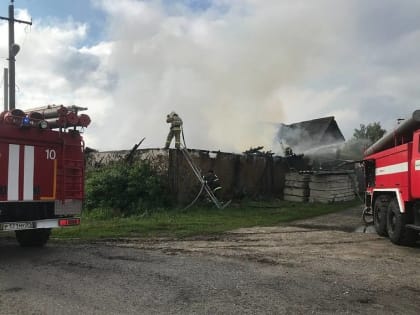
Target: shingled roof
<point>310,134</point>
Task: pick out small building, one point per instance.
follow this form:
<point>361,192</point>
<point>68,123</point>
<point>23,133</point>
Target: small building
<point>310,134</point>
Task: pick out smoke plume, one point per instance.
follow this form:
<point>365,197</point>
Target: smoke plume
<point>232,69</point>
<point>219,69</point>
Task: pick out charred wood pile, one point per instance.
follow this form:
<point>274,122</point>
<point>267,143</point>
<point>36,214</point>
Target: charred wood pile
<point>258,151</point>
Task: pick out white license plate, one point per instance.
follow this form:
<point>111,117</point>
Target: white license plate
<point>17,226</point>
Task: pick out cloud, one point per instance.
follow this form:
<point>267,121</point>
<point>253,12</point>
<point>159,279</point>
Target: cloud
<point>51,68</point>
<point>232,69</point>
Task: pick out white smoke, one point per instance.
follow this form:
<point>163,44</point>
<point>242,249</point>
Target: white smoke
<point>220,69</point>
<point>232,71</point>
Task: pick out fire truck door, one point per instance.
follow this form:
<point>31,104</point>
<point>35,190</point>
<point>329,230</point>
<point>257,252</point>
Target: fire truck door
<point>27,172</point>
<point>415,166</point>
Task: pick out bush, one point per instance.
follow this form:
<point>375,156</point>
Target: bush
<point>125,188</point>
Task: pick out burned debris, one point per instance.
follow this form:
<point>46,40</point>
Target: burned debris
<point>258,151</point>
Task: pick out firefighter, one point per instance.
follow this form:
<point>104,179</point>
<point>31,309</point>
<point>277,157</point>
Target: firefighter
<point>212,181</point>
<point>175,131</point>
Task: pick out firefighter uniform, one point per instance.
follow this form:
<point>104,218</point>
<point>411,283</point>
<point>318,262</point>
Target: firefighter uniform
<point>175,131</point>
<point>212,180</point>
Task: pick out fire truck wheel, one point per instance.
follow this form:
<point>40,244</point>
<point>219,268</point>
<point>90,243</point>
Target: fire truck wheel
<point>398,233</point>
<point>379,214</point>
<point>33,238</point>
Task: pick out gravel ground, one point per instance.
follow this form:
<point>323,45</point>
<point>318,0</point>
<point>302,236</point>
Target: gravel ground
<point>315,266</point>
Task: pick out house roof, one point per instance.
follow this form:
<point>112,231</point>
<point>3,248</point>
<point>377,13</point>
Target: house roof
<point>311,133</point>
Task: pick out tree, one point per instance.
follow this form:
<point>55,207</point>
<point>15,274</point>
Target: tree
<point>372,132</point>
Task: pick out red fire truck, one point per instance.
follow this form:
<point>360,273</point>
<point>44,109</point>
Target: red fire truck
<point>41,171</point>
<point>392,173</point>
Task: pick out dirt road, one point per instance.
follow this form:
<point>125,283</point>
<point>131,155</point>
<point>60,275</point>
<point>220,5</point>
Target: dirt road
<point>314,266</point>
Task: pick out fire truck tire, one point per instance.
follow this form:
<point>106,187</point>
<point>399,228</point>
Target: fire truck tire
<point>379,214</point>
<point>33,238</point>
<point>396,221</point>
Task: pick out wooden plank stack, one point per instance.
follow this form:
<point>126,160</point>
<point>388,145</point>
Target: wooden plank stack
<point>324,187</point>
<point>332,187</point>
<point>296,187</point>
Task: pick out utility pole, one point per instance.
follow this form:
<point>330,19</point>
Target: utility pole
<point>6,94</point>
<point>13,50</point>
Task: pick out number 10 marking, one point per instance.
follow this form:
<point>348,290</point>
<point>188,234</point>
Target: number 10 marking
<point>51,155</point>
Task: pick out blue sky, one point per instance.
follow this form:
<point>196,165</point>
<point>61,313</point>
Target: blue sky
<point>49,11</point>
<point>81,9</point>
<point>231,68</point>
<point>85,11</point>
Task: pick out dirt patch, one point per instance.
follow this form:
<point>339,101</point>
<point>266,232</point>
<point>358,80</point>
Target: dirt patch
<point>368,269</point>
<point>331,230</point>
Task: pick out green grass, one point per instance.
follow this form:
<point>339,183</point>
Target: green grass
<point>196,221</point>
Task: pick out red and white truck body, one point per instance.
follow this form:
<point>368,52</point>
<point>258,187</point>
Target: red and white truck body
<point>392,172</point>
<point>41,178</point>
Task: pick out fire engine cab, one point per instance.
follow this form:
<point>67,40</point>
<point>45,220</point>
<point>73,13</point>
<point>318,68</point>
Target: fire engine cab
<point>41,171</point>
<point>392,174</point>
